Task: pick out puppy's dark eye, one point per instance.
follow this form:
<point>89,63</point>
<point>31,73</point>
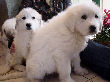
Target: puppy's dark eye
<point>84,17</point>
<point>33,17</point>
<point>96,16</point>
<point>24,18</point>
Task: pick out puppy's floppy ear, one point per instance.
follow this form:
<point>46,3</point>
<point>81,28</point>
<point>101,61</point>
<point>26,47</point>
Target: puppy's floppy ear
<point>42,23</point>
<point>17,19</point>
<point>70,21</point>
<point>39,16</point>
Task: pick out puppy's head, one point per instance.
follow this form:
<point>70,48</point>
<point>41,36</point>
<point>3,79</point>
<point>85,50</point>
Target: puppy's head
<point>86,18</point>
<point>8,31</point>
<point>28,19</point>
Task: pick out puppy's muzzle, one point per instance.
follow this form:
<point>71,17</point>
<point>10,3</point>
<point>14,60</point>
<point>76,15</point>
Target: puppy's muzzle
<point>92,29</point>
<point>28,26</point>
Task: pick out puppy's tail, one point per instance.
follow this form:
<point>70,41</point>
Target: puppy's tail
<point>13,75</point>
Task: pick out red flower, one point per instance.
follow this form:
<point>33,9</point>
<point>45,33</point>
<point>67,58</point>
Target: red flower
<point>107,18</point>
<point>105,10</point>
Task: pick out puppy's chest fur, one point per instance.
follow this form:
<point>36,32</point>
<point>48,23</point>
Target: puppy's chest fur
<point>22,43</point>
<point>80,43</point>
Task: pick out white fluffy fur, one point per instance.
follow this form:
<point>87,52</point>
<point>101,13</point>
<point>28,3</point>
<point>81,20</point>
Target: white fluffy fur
<point>23,36</point>
<point>59,42</point>
<point>9,25</point>
<point>9,28</point>
<point>22,40</point>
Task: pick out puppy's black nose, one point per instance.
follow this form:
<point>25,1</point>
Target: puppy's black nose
<point>28,26</point>
<point>92,28</point>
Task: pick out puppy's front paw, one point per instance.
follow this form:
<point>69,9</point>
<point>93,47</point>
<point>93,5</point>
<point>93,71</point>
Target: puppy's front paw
<point>81,71</point>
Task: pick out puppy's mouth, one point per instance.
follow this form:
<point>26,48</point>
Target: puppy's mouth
<point>28,28</point>
<point>10,40</point>
<point>93,32</point>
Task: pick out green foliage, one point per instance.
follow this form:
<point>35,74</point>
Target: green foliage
<point>104,35</point>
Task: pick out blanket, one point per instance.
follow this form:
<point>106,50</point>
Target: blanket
<point>91,77</point>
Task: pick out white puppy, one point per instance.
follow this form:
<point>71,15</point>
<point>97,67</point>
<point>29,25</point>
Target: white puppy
<point>58,42</point>
<point>27,22</point>
<point>8,31</point>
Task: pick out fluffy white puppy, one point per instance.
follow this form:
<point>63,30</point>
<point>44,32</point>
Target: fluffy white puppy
<point>27,22</point>
<point>58,42</point>
<point>8,31</point>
